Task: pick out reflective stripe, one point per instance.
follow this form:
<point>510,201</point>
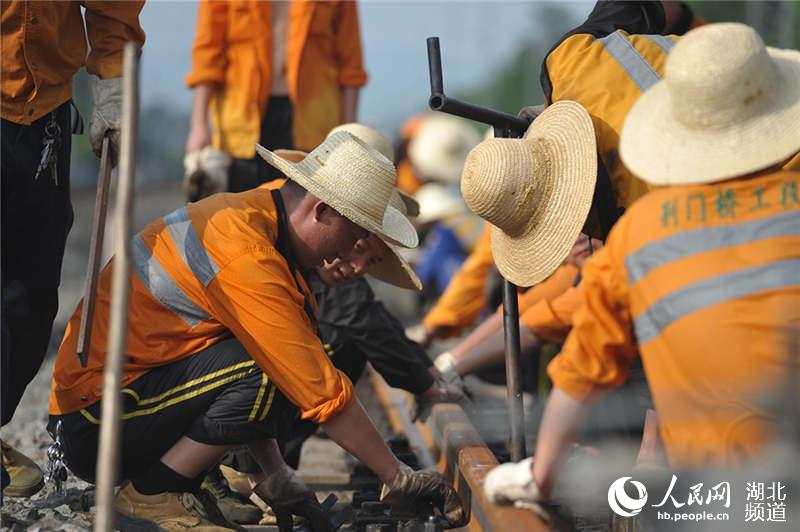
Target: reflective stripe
<point>714,291</point>
<point>189,246</point>
<point>161,286</point>
<point>663,42</point>
<point>630,60</point>
<point>684,244</point>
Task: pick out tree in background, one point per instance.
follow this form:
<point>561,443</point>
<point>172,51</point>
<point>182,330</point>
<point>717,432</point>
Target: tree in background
<point>776,21</point>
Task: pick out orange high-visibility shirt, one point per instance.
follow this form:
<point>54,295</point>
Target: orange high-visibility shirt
<point>207,271</point>
<point>704,282</point>
<point>551,318</point>
<point>465,297</point>
<point>44,45</point>
<point>233,49</point>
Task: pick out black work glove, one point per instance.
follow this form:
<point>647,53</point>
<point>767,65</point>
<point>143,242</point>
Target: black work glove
<point>287,495</point>
<point>414,489</point>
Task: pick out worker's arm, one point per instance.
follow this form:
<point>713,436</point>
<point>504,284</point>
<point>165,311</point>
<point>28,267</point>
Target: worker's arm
<point>199,126</point>
<point>109,26</point>
<point>350,104</point>
<point>349,58</point>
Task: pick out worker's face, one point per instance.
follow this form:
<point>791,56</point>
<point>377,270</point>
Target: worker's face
<point>336,236</point>
<point>366,252</point>
<point>582,250</point>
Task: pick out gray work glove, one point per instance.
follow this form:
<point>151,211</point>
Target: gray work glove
<point>287,495</point>
<point>414,490</point>
<point>531,111</point>
<point>106,115</point>
<point>447,392</point>
<point>205,173</point>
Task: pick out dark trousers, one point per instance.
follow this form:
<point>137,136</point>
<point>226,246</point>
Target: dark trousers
<point>276,133</point>
<point>217,397</point>
<point>36,218</point>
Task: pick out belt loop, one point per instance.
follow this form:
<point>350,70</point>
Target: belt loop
<point>77,123</point>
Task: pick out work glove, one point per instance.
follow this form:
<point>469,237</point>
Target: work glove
<point>513,483</point>
<point>447,392</point>
<point>287,495</point>
<point>446,364</point>
<point>416,490</point>
<point>531,111</point>
<point>205,173</point>
<point>106,115</point>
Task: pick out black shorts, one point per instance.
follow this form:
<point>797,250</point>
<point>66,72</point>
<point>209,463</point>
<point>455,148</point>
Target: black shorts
<point>217,397</point>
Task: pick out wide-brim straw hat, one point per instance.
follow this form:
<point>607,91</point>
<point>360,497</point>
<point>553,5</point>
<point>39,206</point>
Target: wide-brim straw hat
<point>353,179</point>
<point>437,202</point>
<point>535,191</point>
<point>727,106</point>
<point>437,151</point>
<point>393,269</point>
<point>379,141</point>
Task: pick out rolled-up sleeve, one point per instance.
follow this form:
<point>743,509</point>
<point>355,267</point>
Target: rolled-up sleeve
<point>602,345</point>
<point>348,46</point>
<point>208,52</point>
<point>255,297</point>
<point>109,26</point>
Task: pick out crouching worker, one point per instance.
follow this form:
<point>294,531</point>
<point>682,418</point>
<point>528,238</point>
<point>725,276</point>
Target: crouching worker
<point>222,347</point>
<point>700,277</point>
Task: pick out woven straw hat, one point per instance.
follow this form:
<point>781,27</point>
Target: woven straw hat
<point>379,141</point>
<point>535,191</point>
<point>436,202</point>
<point>393,269</point>
<point>355,180</point>
<point>438,150</point>
<point>727,106</point>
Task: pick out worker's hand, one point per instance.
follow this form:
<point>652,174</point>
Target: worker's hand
<point>106,115</point>
<point>446,364</point>
<point>439,392</point>
<point>513,483</point>
<point>205,173</point>
<point>416,490</point>
<point>287,495</point>
<point>531,111</point>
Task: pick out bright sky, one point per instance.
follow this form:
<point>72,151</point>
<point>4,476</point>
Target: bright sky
<point>475,37</point>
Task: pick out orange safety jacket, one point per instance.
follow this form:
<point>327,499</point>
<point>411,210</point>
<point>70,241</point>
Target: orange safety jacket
<point>233,50</point>
<point>703,281</point>
<point>44,45</point>
<point>212,269</point>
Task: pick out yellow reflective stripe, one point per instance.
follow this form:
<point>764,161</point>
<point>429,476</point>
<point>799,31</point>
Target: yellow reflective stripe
<point>261,390</point>
<point>185,397</point>
<point>193,382</point>
<point>90,418</point>
<point>133,394</point>
<point>269,404</point>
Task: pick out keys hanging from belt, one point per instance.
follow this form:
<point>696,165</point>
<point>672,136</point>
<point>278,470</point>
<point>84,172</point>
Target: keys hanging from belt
<point>50,147</point>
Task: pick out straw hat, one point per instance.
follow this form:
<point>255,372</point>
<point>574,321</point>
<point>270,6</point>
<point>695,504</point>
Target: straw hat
<point>393,269</point>
<point>355,180</point>
<point>438,150</point>
<point>436,202</point>
<point>535,191</point>
<point>379,141</point>
<point>727,106</point>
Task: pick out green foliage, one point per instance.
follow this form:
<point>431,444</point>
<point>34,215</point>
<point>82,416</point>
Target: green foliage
<point>778,22</point>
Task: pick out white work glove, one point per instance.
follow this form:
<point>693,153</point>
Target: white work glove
<point>287,495</point>
<point>446,364</point>
<point>106,115</point>
<point>205,173</point>
<point>513,483</point>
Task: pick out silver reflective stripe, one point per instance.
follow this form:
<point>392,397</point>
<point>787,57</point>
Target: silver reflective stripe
<point>161,285</point>
<point>714,291</point>
<point>665,43</point>
<point>685,244</point>
<point>189,246</point>
<point>630,60</point>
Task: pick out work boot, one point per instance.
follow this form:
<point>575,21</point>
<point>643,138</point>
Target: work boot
<point>25,477</point>
<point>234,506</point>
<point>237,481</point>
<point>170,512</point>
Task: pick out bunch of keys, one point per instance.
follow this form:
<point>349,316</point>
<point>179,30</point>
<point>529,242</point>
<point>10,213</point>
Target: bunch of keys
<point>52,141</point>
<point>56,470</point>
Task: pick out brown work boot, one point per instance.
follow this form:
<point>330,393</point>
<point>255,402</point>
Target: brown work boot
<point>26,479</point>
<point>234,507</point>
<point>170,512</point>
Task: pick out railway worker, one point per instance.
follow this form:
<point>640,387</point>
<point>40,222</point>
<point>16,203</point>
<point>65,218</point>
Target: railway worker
<point>278,73</point>
<point>604,64</point>
<point>716,249</point>
<point>44,45</point>
<point>222,347</point>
